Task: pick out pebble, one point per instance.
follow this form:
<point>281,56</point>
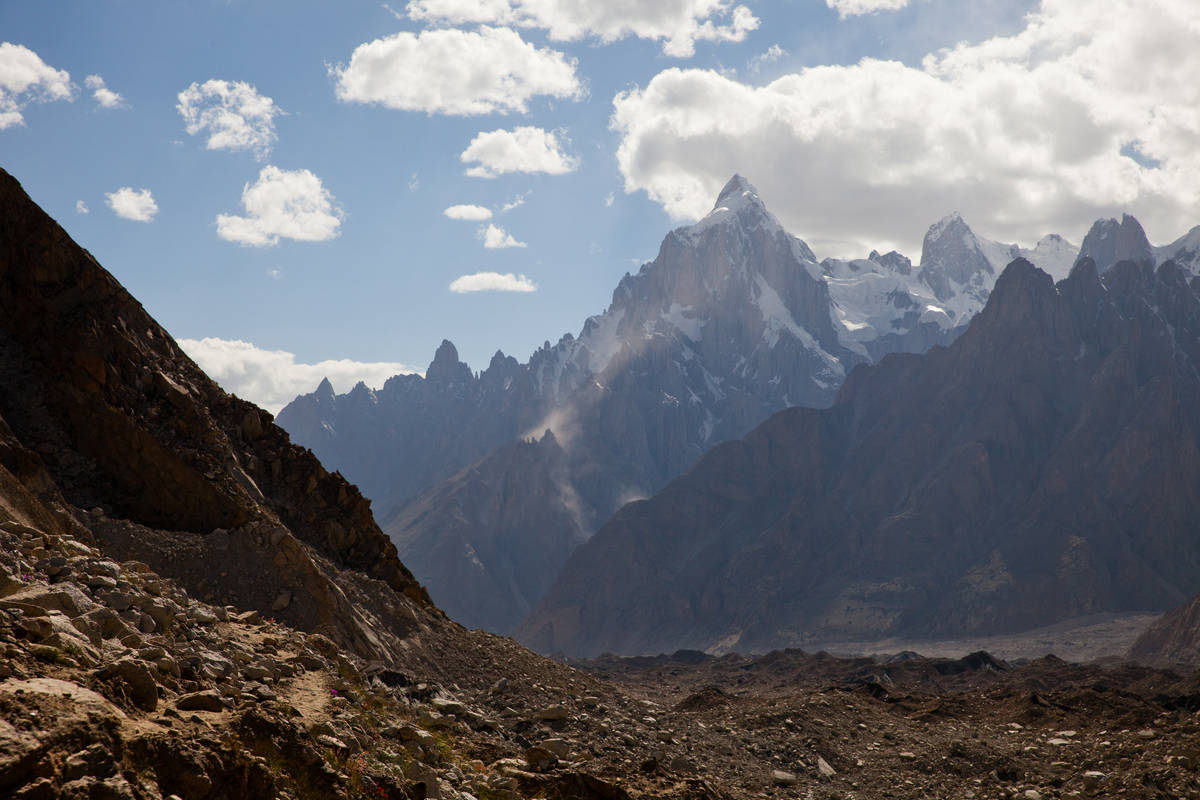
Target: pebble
<point>782,778</point>
<point>553,713</point>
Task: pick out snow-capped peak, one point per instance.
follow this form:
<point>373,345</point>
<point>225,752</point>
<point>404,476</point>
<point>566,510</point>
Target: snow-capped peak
<point>737,191</point>
<point>939,228</point>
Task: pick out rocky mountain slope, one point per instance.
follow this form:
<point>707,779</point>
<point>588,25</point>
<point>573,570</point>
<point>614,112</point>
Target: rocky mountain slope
<point>112,417</point>
<point>1044,466</point>
<point>1173,640</point>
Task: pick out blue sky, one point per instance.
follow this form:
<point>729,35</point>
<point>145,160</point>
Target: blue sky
<point>1030,124</point>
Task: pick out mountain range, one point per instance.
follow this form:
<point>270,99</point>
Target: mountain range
<point>1044,466</point>
<point>733,321</point>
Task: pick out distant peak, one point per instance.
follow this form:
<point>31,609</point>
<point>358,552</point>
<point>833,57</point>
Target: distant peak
<point>446,353</point>
<point>1110,241</point>
<point>735,189</point>
<point>950,221</point>
<point>446,367</point>
<point>325,388</point>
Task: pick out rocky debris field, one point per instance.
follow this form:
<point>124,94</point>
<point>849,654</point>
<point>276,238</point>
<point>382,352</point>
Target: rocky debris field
<point>115,683</point>
<point>791,724</point>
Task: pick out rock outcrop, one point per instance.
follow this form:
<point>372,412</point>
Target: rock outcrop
<point>1044,466</point>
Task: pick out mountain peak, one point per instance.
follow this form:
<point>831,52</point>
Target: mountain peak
<point>446,353</point>
<point>325,388</point>
<point>949,223</point>
<point>1110,241</point>
<point>734,190</point>
<point>952,254</point>
<point>445,366</point>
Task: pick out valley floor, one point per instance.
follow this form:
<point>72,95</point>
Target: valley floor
<point>1080,640</point>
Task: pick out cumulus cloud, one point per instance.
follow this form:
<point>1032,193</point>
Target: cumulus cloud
<point>273,378</point>
<point>25,79</point>
<point>233,114</point>
<point>1023,134</point>
<point>852,8</point>
<point>81,207</point>
<point>473,213</point>
<point>282,204</point>
<point>492,282</point>
<point>105,97</point>
<point>679,24</point>
<point>494,238</point>
<point>523,149</point>
<point>128,203</point>
<point>491,70</point>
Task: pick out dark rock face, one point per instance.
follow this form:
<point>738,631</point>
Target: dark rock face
<point>490,539</point>
<point>1109,242</point>
<point>101,409</point>
<point>1044,466</point>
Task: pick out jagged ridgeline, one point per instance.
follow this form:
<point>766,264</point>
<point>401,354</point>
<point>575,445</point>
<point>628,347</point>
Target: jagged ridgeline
<point>734,320</point>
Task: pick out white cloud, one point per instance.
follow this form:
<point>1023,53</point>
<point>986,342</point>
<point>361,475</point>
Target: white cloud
<point>516,202</point>
<point>273,378</point>
<point>287,204</point>
<point>492,70</point>
<point>137,205</point>
<point>1022,134</point>
<point>523,149</point>
<point>609,199</point>
<point>233,114</point>
<point>473,213</point>
<point>25,79</point>
<point>492,282</point>
<point>769,56</point>
<point>105,97</point>
<point>494,238</point>
<point>679,24</point>
<point>851,8</point>
<point>414,182</point>
<point>81,207</point>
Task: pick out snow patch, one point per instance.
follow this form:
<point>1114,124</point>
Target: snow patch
<point>777,318</point>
